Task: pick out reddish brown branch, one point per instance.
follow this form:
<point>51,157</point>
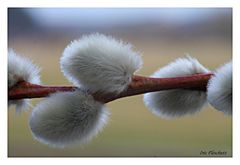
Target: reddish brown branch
<point>27,90</point>
<point>139,85</point>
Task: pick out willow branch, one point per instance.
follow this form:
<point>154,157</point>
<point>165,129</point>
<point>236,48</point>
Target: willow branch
<point>139,85</point>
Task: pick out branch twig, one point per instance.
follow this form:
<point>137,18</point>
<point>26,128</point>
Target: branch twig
<point>139,85</point>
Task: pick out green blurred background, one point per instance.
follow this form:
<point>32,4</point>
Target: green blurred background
<point>161,35</point>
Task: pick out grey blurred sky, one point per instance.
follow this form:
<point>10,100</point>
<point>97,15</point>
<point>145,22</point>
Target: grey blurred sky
<point>157,22</point>
<point>53,17</point>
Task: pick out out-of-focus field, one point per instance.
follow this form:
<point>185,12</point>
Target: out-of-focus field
<point>132,129</point>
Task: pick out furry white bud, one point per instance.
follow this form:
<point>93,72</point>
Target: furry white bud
<point>67,118</point>
<point>177,102</point>
<point>219,92</point>
<point>100,63</point>
<point>21,69</point>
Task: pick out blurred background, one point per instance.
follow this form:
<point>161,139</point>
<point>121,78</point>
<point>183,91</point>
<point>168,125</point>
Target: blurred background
<point>161,35</point>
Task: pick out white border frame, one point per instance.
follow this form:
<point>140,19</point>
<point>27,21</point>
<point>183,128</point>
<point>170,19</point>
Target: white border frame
<point>4,4</point>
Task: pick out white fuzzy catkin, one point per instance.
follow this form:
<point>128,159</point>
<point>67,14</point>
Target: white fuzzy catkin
<point>67,118</point>
<point>100,63</point>
<point>177,102</point>
<point>219,92</point>
<point>19,69</point>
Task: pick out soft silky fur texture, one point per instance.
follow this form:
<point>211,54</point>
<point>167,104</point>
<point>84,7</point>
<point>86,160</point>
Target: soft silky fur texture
<point>19,69</point>
<point>219,92</point>
<point>100,63</point>
<point>177,102</point>
<point>67,118</point>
